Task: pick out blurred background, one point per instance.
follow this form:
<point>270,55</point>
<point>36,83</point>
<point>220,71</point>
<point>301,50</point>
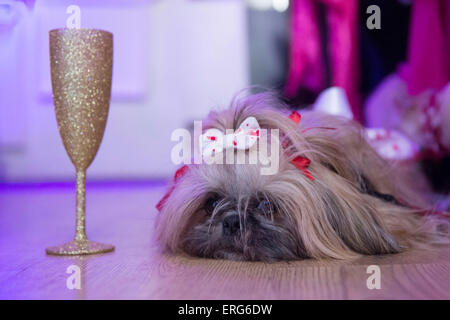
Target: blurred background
<point>174,60</point>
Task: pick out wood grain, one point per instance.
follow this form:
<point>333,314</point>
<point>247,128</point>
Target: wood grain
<point>34,217</point>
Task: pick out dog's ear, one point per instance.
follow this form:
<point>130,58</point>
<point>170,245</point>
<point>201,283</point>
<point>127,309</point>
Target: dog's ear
<point>355,219</point>
<point>335,143</point>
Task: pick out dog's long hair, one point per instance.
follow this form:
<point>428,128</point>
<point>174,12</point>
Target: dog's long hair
<point>357,204</point>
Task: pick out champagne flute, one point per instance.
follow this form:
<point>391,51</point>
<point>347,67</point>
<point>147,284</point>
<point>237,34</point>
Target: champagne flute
<point>81,71</point>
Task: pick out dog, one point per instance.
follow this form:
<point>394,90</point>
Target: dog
<point>332,196</point>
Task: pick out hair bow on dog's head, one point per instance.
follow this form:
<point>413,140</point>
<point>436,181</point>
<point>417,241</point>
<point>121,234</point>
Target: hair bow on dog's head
<point>215,141</point>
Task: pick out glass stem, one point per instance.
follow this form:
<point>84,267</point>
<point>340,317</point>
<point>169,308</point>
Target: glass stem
<point>80,231</point>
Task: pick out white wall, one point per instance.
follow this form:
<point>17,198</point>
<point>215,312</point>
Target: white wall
<point>174,61</point>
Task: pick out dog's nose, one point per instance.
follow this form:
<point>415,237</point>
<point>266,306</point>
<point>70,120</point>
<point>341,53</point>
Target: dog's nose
<point>231,225</point>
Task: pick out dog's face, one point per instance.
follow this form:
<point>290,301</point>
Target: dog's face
<point>232,211</point>
<point>241,215</point>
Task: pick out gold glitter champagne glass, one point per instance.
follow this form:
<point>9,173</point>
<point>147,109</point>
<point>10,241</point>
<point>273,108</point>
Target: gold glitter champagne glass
<point>81,70</point>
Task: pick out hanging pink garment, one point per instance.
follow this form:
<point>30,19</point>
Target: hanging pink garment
<point>416,99</point>
<point>306,67</point>
<point>428,65</point>
<point>427,72</point>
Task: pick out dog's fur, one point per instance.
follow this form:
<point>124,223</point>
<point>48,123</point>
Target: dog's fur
<point>358,203</point>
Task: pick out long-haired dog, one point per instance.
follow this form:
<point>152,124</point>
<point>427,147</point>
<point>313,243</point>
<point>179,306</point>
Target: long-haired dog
<point>344,201</point>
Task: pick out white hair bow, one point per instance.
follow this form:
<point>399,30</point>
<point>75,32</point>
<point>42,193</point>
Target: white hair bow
<point>215,141</point>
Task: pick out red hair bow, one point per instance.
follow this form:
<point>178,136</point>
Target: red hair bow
<point>301,163</point>
<point>178,174</point>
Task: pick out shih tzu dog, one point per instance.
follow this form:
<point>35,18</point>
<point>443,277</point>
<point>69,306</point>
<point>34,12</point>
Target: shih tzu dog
<point>332,195</point>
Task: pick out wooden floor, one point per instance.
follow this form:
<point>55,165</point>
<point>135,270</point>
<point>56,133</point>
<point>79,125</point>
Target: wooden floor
<point>34,217</point>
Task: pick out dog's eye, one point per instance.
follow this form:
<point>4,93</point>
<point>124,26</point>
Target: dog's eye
<point>265,206</point>
<point>211,203</point>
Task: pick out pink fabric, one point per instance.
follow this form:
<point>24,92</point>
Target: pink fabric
<point>305,66</point>
<point>428,65</point>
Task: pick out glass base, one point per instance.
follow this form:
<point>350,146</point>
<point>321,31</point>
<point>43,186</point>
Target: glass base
<point>79,247</point>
